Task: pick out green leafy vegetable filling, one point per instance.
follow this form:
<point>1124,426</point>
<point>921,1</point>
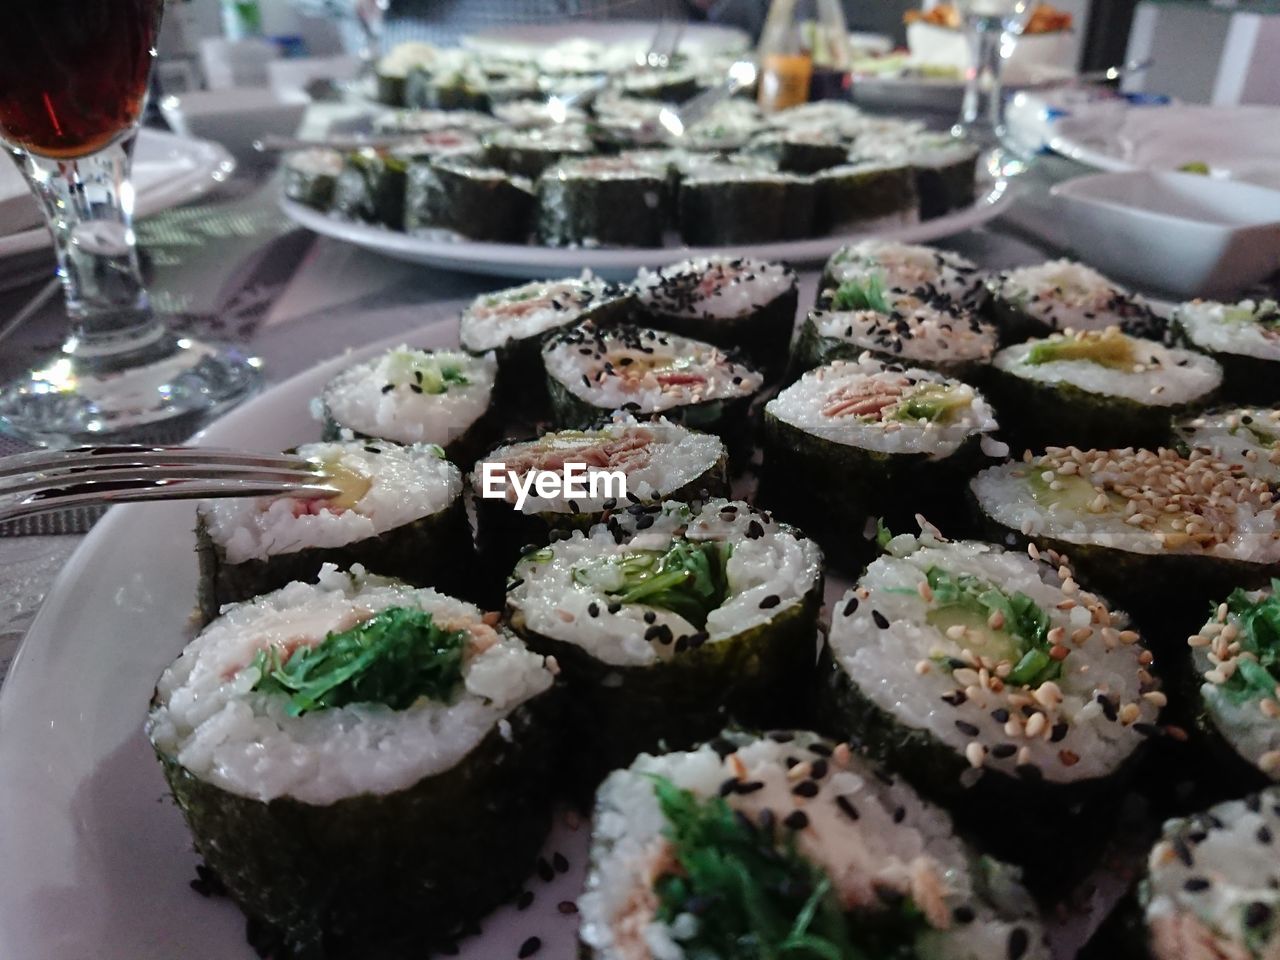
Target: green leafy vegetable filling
<point>1024,622</point>
<point>689,579</point>
<point>755,898</point>
<point>861,295</point>
<point>1259,624</point>
<point>393,658</point>
<point>933,402</point>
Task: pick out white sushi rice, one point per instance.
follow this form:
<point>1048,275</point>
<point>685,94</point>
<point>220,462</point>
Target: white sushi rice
<point>884,642</point>
<point>898,843</point>
<point>808,404</point>
<point>495,319</point>
<point>557,588</point>
<point>316,162</point>
<point>661,458</point>
<point>719,288</point>
<point>1159,377</point>
<point>1234,518</point>
<point>908,268</point>
<point>1213,883</point>
<point>1248,437</point>
<point>1250,328</point>
<point>1063,293</point>
<point>915,331</point>
<point>405,484</point>
<point>207,717</point>
<point>655,371</point>
<point>358,399</point>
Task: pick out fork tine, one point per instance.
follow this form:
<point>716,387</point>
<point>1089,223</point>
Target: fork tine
<point>133,474</point>
<point>50,461</point>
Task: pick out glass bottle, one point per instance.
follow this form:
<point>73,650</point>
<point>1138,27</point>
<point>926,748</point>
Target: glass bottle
<point>804,53</point>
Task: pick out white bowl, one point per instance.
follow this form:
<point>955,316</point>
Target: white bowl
<point>1181,233</point>
<point>234,117</point>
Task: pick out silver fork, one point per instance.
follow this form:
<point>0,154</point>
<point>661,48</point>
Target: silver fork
<point>33,483</point>
<point>664,44</point>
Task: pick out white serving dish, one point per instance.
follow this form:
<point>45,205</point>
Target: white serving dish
<point>1030,57</point>
<point>234,117</point>
<point>1183,233</point>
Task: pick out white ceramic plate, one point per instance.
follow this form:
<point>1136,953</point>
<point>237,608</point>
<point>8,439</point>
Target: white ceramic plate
<point>938,94</point>
<point>529,261</point>
<point>699,38</point>
<point>167,170</point>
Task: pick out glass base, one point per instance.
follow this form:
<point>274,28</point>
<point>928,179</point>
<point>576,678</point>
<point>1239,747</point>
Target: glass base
<point>164,400</point>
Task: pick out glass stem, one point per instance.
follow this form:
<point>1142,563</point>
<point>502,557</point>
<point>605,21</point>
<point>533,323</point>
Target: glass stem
<point>89,206</point>
<point>983,97</point>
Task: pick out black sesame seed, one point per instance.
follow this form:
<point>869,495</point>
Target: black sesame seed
<point>818,769</point>
<point>1264,835</point>
<point>415,388</point>
<point>560,862</point>
<point>850,606</point>
<point>963,915</point>
<point>1019,940</point>
<point>899,814</point>
<point>1003,751</point>
<point>545,870</point>
<point>968,729</point>
<point>806,788</point>
<point>1196,884</point>
<point>1253,802</point>
<point>728,786</point>
<point>529,948</point>
<point>1058,732</point>
<point>645,522</point>
<point>1257,914</point>
<point>821,749</point>
<point>614,607</point>
<point>388,387</point>
<point>754,530</point>
<point>880,620</point>
<point>769,602</point>
<point>750,786</point>
<point>796,820</point>
<point>567,907</point>
<point>955,698</point>
<point>525,900</point>
<point>374,450</point>
<point>593,609</point>
<point>781,736</point>
<point>1183,851</point>
<point>847,808</point>
<point>1000,715</point>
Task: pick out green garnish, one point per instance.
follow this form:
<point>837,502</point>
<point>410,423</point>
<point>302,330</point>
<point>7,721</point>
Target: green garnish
<point>393,658</point>
<point>1265,314</point>
<point>1024,621</point>
<point>425,372</point>
<point>868,295</point>
<point>1261,437</point>
<point>689,579</point>
<point>934,402</point>
<point>1259,625</point>
<point>1195,166</point>
<point>755,898</point>
<point>1110,349</point>
<point>883,534</point>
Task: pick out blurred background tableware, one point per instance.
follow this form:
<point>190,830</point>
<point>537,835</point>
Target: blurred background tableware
<point>991,28</point>
<point>803,53</point>
<point>234,117</point>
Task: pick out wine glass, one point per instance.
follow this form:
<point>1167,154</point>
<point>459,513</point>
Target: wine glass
<point>991,28</point>
<point>73,80</point>
<point>369,18</point>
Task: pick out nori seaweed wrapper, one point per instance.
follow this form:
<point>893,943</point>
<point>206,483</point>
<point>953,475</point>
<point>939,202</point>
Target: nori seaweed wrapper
<point>607,202</point>
<point>744,206</point>
<point>456,195</point>
<point>371,188</point>
<point>852,195</point>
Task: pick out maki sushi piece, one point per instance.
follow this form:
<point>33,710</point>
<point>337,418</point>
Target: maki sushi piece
<point>858,196</point>
<point>896,327</point>
<point>800,151</point>
<point>393,69</point>
<point>528,152</point>
<point>458,197</point>
<point>853,441</point>
<point>538,113</point>
<point>1243,337</point>
<point>594,370</point>
<point>399,512</point>
<point>658,460</point>
<point>371,188</point>
<point>601,202</point>
<point>513,324</point>
<point>669,621</point>
<point>839,118</point>
<point>993,684</point>
<point>1098,388</point>
<point>1211,889</point>
<point>729,203</point>
<point>1160,533</point>
<point>362,764</point>
<point>671,85</point>
<point>797,846</point>
<point>452,82</point>
<point>943,167</point>
<point>434,122</point>
<point>310,176</point>
<point>891,267</point>
<point>728,301</point>
<point>1039,300</point>
<point>412,396</point>
<point>1248,437</point>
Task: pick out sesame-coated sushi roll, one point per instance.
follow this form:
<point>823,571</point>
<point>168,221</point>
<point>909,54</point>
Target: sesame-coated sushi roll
<point>456,196</point>
<point>412,396</point>
<point>925,272</point>
<point>1211,889</point>
<point>364,765</point>
<point>855,440</point>
<point>1248,437</point>
<point>593,371</point>
<point>668,622</point>
<point>658,459</point>
<point>1243,337</point>
<point>602,202</point>
<point>991,685</point>
<point>1098,388</point>
<point>400,513</point>
<point>1162,534</point>
<point>1060,295</point>
<point>727,301</point>
<point>798,847</point>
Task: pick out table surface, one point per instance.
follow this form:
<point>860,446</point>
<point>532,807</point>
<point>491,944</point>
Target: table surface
<point>234,267</point>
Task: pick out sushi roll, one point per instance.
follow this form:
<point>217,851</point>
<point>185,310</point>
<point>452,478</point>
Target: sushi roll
<point>861,196</point>
<point>674,84</point>
<point>456,196</point>
<point>800,151</point>
<point>363,764</point>
<point>399,512</point>
<point>798,847</point>
<point>658,459</point>
<point>538,113</point>
<point>1209,889</point>
<point>897,327</point>
<point>925,272</point>
<point>433,122</point>
<point>412,396</point>
<point>669,621</point>
<point>837,117</point>
<point>392,70</point>
<point>592,371</point>
<point>1098,388</point>
<point>1243,337</point>
<point>601,202</point>
<point>943,167</point>
<point>855,440</point>
<point>310,176</point>
<point>728,301</point>
<point>453,82</point>
<point>1061,294</point>
<point>992,685</point>
<point>371,188</point>
<point>528,152</point>
<point>1160,533</point>
<point>1245,436</point>
<point>728,203</point>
